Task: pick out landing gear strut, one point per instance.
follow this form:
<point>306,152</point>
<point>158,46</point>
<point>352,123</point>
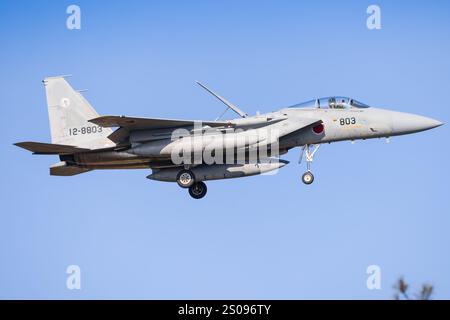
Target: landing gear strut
<point>308,177</point>
<point>198,190</point>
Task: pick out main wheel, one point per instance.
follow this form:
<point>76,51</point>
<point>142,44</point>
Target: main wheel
<point>185,178</point>
<point>308,177</point>
<point>198,190</point>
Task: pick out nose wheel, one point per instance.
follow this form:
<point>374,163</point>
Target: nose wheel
<point>198,190</point>
<point>308,177</point>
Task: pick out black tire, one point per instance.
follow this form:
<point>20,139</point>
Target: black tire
<point>198,190</point>
<point>308,177</point>
<point>185,178</point>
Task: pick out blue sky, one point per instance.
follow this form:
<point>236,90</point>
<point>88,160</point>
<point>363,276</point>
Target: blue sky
<point>261,237</point>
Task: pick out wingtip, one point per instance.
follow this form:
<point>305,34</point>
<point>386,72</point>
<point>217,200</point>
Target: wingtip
<point>19,144</point>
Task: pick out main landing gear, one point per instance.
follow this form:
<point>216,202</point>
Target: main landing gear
<point>308,177</point>
<point>186,179</point>
<point>198,190</point>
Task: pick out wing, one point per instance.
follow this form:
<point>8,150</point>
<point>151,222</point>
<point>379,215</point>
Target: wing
<point>131,123</point>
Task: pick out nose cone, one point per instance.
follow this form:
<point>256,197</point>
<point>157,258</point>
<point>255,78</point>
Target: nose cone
<point>403,123</point>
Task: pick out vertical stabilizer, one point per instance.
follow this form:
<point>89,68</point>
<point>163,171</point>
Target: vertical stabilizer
<point>69,113</point>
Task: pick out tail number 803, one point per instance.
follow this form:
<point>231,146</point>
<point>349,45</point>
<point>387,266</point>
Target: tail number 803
<point>347,121</point>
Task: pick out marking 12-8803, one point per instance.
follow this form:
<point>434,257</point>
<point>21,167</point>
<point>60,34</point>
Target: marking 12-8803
<point>84,130</point>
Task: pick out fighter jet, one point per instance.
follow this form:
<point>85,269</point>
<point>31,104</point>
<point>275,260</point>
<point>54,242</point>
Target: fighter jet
<point>190,152</point>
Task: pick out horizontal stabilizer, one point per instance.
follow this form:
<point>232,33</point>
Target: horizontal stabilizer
<point>62,169</point>
<point>48,148</point>
<point>120,135</point>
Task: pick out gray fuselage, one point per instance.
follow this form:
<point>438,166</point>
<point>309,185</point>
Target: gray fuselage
<point>153,148</point>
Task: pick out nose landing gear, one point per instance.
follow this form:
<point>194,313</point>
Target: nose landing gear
<point>308,177</point>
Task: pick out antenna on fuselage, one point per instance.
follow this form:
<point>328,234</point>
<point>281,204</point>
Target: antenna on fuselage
<point>225,102</point>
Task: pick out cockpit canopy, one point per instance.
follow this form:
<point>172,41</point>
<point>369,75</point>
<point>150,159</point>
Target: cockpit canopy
<point>332,103</point>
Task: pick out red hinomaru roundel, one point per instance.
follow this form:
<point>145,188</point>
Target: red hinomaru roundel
<point>319,128</point>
